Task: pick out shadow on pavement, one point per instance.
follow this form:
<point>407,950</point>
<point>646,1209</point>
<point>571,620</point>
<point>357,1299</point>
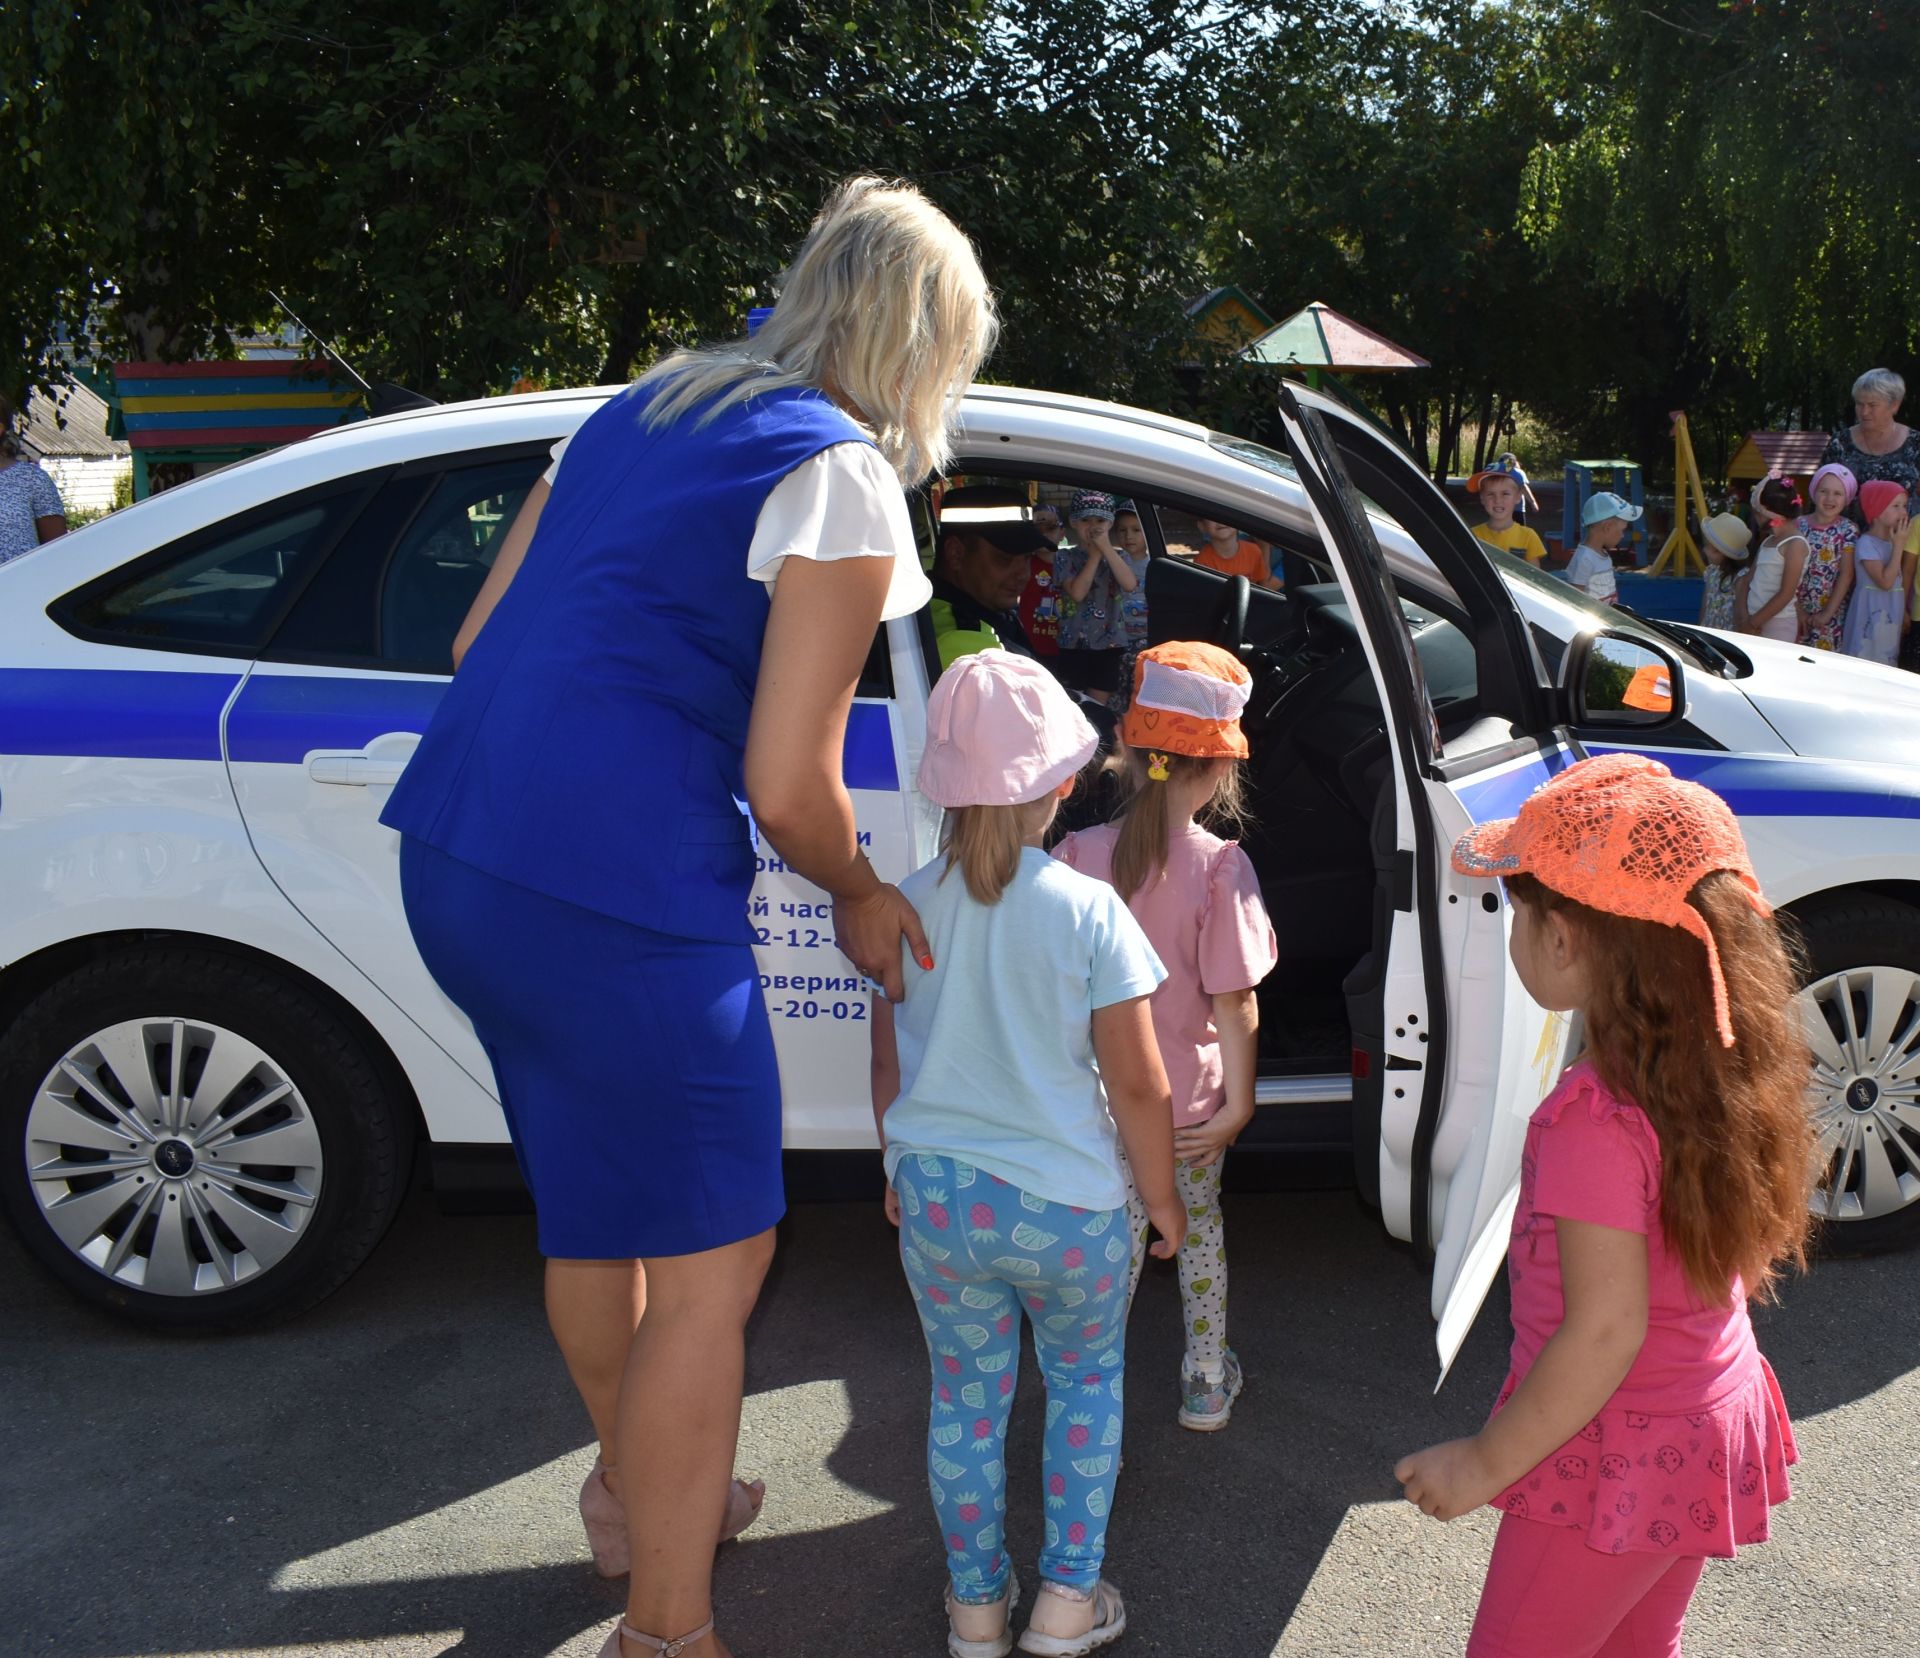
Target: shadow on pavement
<point>380,1470</point>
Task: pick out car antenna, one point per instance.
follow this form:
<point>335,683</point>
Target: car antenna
<point>385,398</point>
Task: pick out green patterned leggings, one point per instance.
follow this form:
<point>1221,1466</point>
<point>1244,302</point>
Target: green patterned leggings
<point>1203,1262</point>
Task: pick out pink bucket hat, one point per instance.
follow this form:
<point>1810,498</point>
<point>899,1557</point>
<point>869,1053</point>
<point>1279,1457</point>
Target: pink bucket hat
<point>1001,732</point>
<point>1833,469</point>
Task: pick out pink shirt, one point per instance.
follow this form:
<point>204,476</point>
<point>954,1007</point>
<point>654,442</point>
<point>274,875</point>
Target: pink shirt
<point>1206,922</point>
<point>1593,1156</point>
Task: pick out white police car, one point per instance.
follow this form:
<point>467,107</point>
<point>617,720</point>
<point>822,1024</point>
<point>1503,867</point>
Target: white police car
<point>219,1052</point>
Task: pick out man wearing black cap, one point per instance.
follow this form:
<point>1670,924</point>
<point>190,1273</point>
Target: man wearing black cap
<point>988,542</point>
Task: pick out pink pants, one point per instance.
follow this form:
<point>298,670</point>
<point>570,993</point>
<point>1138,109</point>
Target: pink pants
<point>1550,1596</point>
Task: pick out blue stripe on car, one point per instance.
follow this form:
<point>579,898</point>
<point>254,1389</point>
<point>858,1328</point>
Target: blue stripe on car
<point>278,719</point>
<point>1489,798</point>
<point>281,718</point>
<point>1752,785</point>
<point>113,713</point>
<point>1784,786</point>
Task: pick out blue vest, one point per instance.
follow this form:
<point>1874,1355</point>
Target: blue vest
<point>592,745</point>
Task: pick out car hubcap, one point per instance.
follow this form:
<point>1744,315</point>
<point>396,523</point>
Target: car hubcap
<point>174,1156</point>
<point>1863,1026</point>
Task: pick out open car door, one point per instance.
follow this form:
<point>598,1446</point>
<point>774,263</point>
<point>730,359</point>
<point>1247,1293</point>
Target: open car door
<point>1468,1055</point>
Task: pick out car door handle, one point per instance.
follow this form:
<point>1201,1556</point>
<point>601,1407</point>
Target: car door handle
<point>356,769</point>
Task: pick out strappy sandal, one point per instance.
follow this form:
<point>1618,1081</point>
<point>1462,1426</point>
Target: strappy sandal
<point>666,1649</point>
<point>605,1519</point>
<point>1109,1624</point>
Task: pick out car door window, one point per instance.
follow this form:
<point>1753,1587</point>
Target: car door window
<point>436,569</point>
<point>396,589</point>
<point>221,590</point>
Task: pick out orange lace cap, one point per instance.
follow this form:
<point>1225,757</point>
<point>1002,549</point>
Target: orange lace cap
<point>1620,833</point>
<point>1187,699</point>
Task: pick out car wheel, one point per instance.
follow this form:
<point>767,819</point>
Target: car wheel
<point>191,1140</point>
<point>1861,1012</point>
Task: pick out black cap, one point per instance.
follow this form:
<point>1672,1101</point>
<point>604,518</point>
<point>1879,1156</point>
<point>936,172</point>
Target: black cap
<point>995,513</point>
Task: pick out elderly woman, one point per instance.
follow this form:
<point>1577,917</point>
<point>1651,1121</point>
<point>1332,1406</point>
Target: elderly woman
<point>1876,445</point>
<point>576,856</point>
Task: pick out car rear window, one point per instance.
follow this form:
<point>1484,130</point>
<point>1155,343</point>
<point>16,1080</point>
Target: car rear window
<point>220,590</point>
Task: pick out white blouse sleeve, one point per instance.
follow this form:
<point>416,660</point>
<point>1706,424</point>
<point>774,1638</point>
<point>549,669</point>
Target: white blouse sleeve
<point>845,502</point>
<point>553,470</point>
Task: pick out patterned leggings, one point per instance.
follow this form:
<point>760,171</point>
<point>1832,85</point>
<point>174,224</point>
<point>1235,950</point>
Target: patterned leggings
<point>1203,1262</point>
<point>978,1252</point>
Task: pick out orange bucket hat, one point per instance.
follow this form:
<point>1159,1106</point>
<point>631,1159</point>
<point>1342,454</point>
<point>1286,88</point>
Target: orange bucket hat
<point>1620,833</point>
<point>1187,699</point>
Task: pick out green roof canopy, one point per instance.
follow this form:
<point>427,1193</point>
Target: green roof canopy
<point>1321,338</point>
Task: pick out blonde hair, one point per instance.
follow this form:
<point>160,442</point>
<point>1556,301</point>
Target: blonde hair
<point>985,842</point>
<point>1140,849</point>
<point>884,304</point>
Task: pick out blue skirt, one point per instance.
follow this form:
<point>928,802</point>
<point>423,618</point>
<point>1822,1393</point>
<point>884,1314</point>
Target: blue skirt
<point>636,1070</point>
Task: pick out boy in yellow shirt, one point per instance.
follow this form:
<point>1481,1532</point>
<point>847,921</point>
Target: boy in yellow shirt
<point>1499,492</point>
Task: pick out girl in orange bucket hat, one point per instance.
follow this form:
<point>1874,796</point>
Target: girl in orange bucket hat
<point>1198,900</point>
<point>1664,1180</point>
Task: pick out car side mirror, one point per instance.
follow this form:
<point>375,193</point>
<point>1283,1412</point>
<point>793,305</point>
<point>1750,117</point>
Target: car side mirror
<point>1613,679</point>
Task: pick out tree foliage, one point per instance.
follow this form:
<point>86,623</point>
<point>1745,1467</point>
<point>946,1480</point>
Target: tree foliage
<point>1593,213</point>
<point>1751,161</point>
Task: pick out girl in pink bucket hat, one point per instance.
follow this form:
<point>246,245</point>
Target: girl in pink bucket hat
<point>1199,900</point>
<point>1004,1086</point>
<point>1663,1181</point>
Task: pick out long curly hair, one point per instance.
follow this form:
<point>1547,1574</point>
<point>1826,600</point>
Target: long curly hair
<point>1739,1155</point>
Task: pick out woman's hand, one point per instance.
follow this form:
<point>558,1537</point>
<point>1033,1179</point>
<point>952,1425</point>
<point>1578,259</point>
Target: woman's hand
<point>869,929</point>
<point>1201,1144</point>
<point>893,1206</point>
<point>1448,1480</point>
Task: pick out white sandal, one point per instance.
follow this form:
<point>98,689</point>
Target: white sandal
<point>995,1646</point>
<point>1109,1624</point>
<point>666,1649</point>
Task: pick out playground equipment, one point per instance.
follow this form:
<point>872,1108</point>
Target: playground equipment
<point>1681,556</point>
<point>1585,479</point>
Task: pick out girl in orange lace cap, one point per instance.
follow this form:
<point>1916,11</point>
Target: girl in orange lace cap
<point>1664,1179</point>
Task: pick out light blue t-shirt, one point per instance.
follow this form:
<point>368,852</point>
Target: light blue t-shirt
<point>996,1043</point>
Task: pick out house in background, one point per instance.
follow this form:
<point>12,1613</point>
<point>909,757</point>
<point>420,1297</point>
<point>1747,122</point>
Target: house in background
<point>67,434</point>
<point>1227,319</point>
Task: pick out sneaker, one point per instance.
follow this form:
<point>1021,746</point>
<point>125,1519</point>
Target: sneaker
<point>1206,1406</point>
<point>982,1631</point>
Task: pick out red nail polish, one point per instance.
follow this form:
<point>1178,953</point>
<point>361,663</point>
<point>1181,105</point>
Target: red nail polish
<point>926,962</point>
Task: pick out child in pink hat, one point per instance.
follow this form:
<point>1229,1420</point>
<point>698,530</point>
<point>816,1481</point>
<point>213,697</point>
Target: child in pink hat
<point>1876,615</point>
<point>1198,898</point>
<point>1004,1087</point>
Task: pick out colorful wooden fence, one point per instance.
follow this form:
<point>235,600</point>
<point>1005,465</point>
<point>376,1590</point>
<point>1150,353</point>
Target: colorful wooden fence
<point>210,412</point>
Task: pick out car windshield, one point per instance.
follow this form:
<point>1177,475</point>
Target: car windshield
<point>1518,572</point>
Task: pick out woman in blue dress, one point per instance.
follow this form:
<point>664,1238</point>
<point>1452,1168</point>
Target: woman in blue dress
<point>673,636</point>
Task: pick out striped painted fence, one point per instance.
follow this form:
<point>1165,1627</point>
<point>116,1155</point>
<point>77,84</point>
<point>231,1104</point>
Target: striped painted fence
<point>219,411</point>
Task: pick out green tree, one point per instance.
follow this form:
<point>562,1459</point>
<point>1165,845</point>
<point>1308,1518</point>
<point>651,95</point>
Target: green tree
<point>1753,164</point>
<point>460,193</point>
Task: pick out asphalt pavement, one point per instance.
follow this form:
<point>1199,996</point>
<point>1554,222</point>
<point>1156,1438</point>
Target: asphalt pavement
<point>394,1473</point>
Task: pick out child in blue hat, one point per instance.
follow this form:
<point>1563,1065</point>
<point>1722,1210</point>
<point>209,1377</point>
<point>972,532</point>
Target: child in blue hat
<point>1603,520</point>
